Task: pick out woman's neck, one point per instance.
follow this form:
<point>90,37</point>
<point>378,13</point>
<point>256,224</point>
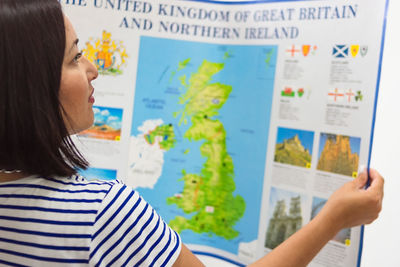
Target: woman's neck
<point>9,177</point>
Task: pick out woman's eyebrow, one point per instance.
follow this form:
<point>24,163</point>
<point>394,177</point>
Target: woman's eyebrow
<point>75,43</point>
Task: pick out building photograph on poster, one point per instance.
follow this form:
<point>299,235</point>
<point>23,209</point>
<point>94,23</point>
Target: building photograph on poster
<point>339,154</point>
<point>294,147</point>
<point>286,218</point>
<point>242,125</point>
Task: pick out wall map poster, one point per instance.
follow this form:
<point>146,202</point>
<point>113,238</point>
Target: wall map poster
<point>234,120</point>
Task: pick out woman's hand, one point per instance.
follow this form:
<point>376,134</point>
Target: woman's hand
<point>352,204</point>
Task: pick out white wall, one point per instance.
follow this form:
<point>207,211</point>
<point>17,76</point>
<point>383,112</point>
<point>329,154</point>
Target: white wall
<point>382,238</point>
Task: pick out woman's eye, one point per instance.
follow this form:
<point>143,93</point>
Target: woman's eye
<point>77,57</point>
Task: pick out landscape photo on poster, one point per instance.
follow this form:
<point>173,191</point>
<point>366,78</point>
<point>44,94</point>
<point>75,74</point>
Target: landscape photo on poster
<point>194,129</point>
<point>107,124</point>
<point>339,154</point>
<point>344,235</point>
<point>286,215</point>
<point>99,174</point>
<point>294,147</point>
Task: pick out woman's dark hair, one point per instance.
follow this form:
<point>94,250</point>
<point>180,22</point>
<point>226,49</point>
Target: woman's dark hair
<point>33,135</point>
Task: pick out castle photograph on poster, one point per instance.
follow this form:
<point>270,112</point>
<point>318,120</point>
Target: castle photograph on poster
<point>294,147</point>
<point>339,154</point>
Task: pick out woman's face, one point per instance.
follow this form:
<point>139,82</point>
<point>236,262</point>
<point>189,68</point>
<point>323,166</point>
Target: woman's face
<point>76,91</point>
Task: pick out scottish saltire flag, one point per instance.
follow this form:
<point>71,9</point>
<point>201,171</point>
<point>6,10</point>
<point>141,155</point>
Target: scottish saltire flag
<point>340,51</point>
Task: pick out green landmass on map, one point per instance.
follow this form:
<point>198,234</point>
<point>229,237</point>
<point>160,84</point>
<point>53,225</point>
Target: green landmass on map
<point>227,55</point>
<point>269,57</point>
<point>208,194</point>
<point>167,135</point>
<point>181,65</point>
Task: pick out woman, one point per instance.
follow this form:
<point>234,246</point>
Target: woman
<point>49,215</point>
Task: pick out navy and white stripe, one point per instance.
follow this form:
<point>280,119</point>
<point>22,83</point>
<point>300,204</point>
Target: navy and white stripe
<point>59,221</point>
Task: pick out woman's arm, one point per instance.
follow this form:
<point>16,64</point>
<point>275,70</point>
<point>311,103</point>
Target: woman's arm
<point>186,258</point>
<point>349,206</point>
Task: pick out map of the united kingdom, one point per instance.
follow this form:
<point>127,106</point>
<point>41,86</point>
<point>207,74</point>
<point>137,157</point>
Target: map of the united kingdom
<point>199,136</point>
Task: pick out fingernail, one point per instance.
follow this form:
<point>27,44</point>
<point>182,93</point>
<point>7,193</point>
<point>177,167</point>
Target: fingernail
<point>362,168</point>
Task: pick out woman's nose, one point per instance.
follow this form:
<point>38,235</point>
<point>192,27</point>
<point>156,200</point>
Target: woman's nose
<point>92,71</point>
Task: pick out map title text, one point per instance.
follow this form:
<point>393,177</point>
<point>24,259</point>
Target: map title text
<point>218,21</point>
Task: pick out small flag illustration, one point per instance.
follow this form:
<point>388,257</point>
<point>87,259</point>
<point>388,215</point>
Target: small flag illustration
<point>288,92</point>
<point>306,50</point>
<point>292,50</point>
<point>359,96</point>
<point>363,50</point>
<point>340,51</point>
<point>335,95</point>
<point>300,92</point>
<point>314,49</point>
<point>349,95</point>
<point>354,50</point>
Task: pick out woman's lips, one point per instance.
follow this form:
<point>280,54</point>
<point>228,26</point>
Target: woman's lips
<point>91,97</point>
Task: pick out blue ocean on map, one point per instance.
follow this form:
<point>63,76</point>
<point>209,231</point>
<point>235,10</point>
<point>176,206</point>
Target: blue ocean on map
<point>250,70</point>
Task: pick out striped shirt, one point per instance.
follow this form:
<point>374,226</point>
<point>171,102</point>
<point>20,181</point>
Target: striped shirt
<point>75,222</point>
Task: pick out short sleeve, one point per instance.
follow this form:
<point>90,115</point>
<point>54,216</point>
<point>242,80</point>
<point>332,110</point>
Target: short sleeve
<point>128,232</point>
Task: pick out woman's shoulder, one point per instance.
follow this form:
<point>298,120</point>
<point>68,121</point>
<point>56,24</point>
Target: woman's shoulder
<point>66,189</point>
<point>76,182</point>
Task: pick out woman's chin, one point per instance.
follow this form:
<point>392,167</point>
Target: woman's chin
<point>80,128</point>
